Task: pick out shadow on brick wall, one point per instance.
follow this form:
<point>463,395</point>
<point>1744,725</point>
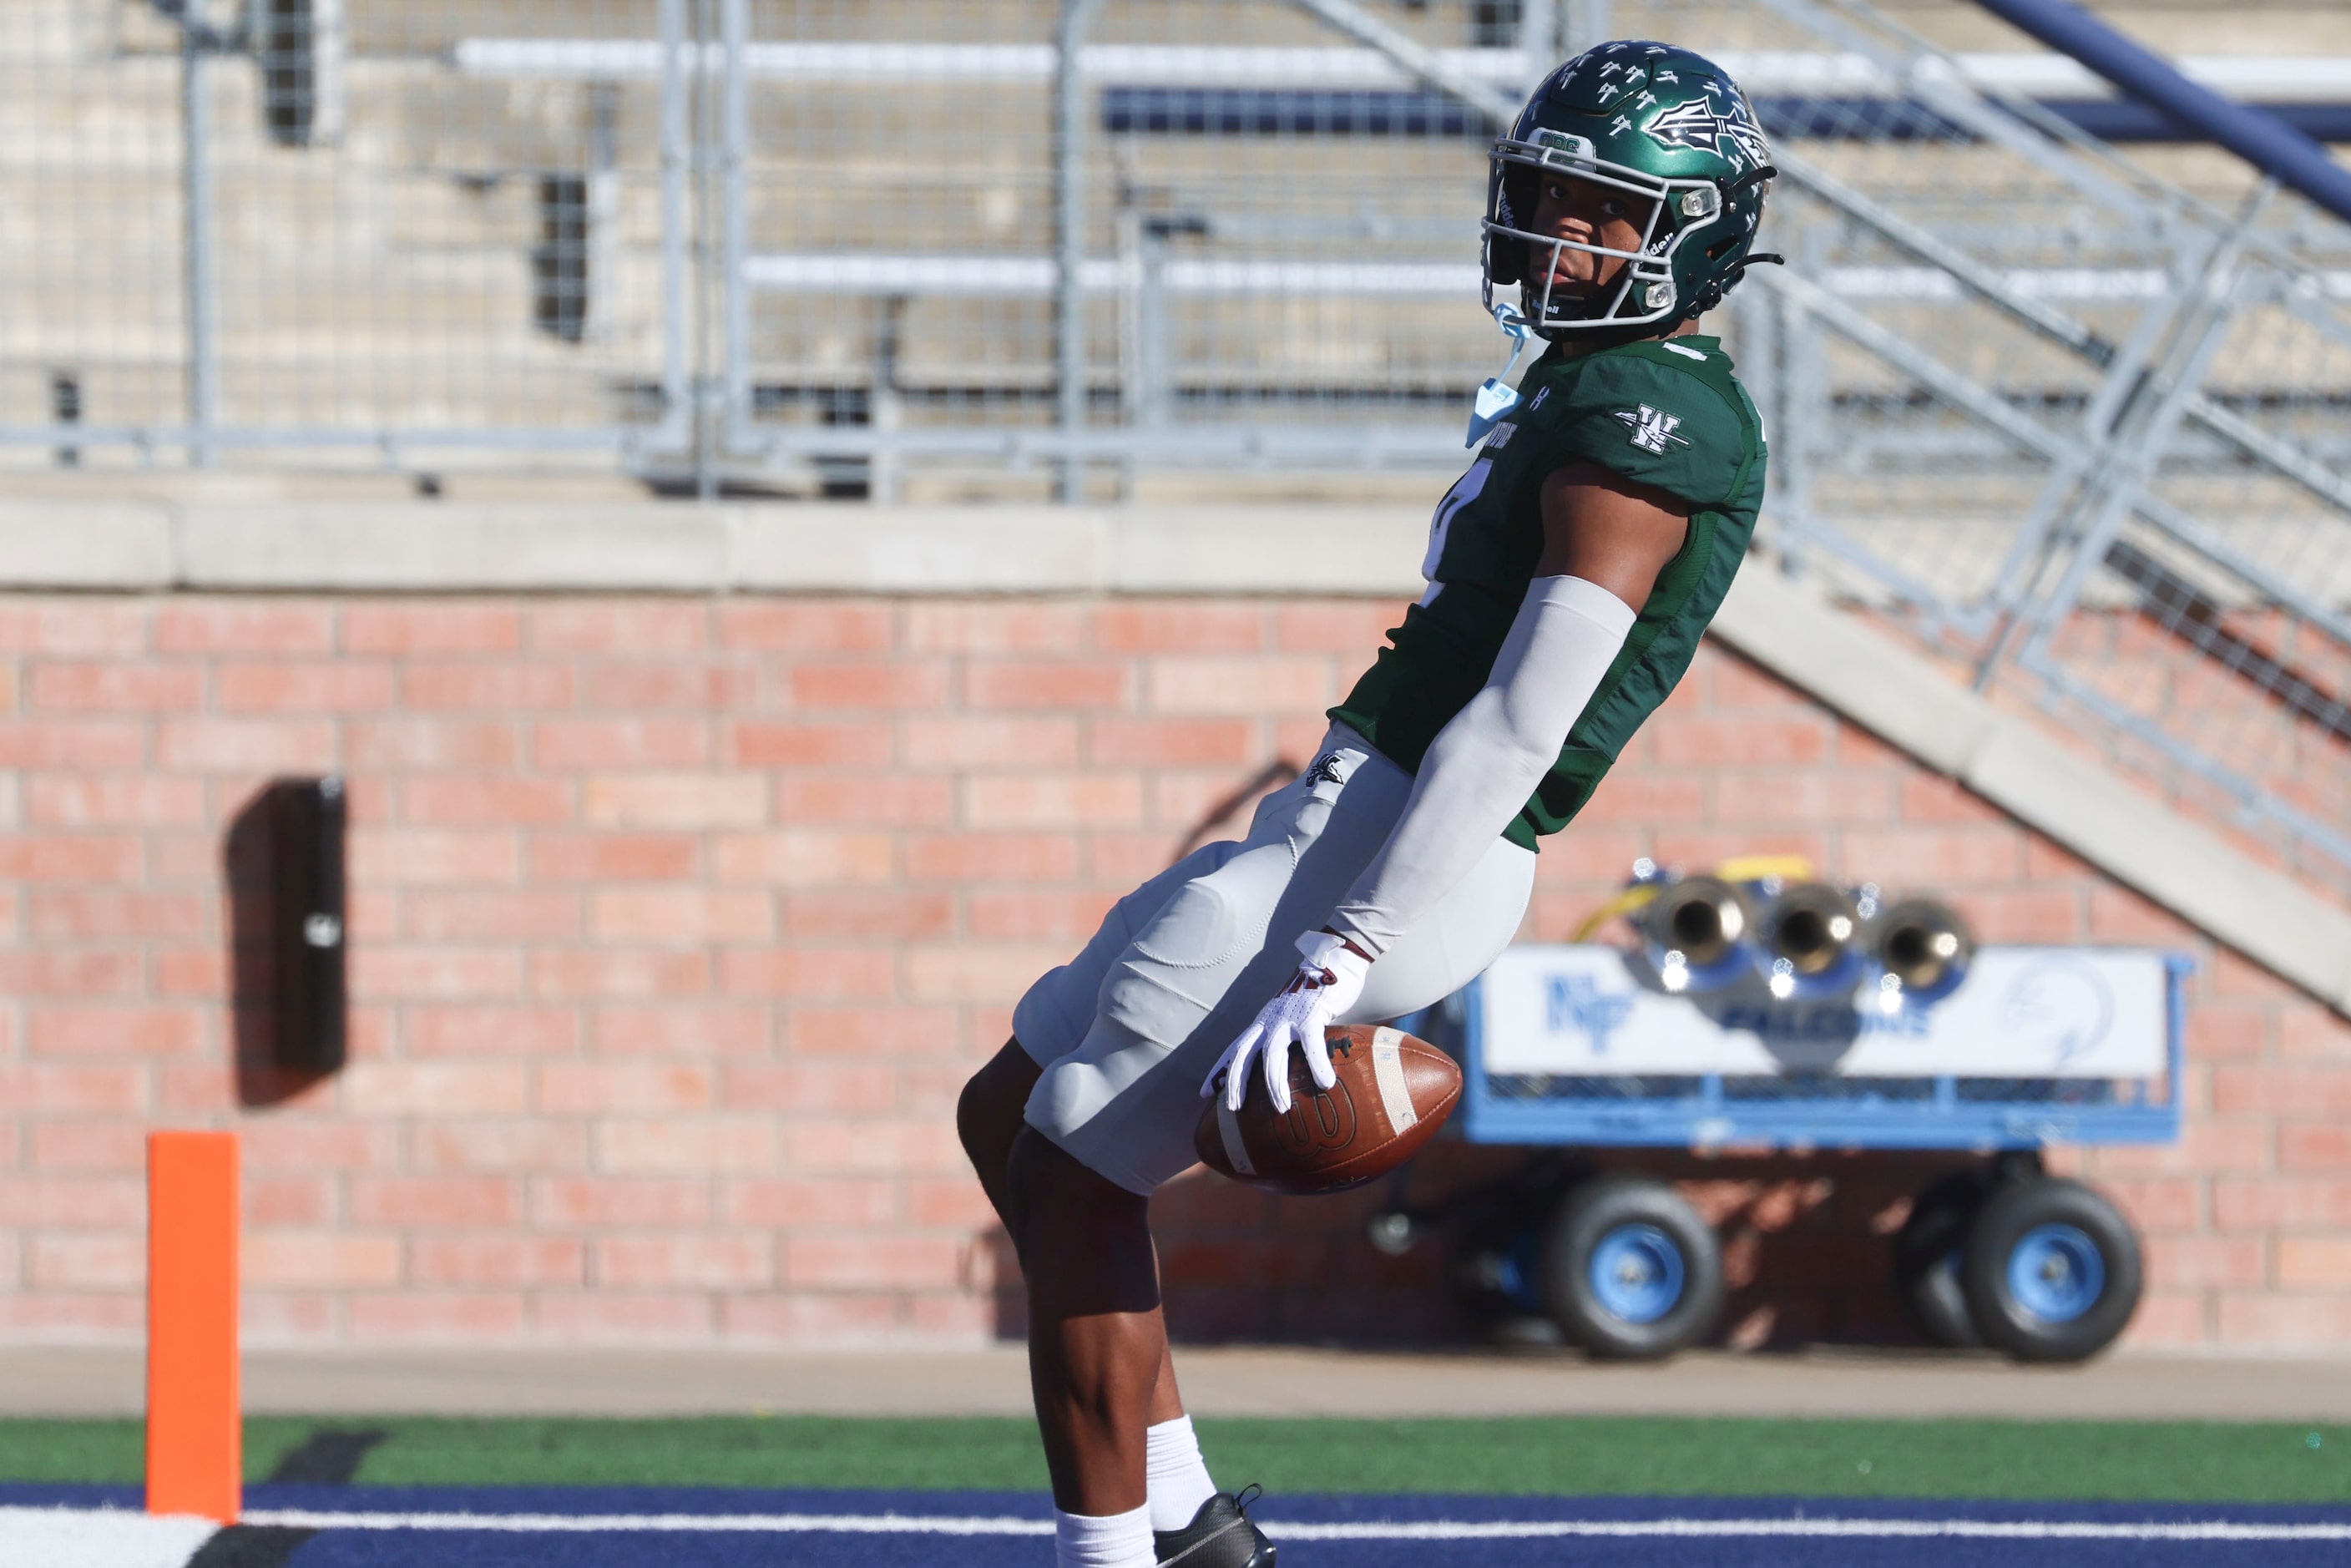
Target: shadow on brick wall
<point>1230,813</point>
<point>271,1064</point>
<point>1807,1242</point>
<point>1807,1246</point>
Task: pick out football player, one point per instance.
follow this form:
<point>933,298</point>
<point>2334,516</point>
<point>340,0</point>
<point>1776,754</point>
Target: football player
<point>1571,571</point>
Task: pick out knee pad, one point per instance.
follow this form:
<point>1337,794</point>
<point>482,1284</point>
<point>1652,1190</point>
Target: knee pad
<point>1042,1020</point>
<point>1052,1014</point>
<point>1173,972</point>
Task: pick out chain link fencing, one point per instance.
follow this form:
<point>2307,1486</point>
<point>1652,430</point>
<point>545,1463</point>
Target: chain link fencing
<point>292,233</point>
<point>2074,420</point>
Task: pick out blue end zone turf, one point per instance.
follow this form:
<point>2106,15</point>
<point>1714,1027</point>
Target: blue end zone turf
<point>520,1527</point>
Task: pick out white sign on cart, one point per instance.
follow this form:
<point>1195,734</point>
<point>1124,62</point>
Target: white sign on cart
<point>2021,1012</point>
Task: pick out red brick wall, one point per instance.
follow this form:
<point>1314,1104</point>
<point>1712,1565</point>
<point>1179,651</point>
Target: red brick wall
<point>676,923</point>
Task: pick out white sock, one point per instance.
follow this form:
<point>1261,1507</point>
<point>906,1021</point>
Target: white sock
<point>1111,1541</point>
<point>1179,1481</point>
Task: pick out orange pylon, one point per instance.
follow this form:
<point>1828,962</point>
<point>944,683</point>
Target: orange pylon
<point>196,1458</point>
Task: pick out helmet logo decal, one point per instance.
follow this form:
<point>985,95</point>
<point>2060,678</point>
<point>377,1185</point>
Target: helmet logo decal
<point>1622,88</point>
<point>1620,125</point>
<point>1696,125</point>
<point>1652,428</point>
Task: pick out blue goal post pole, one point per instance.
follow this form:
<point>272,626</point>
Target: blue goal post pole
<point>2261,139</point>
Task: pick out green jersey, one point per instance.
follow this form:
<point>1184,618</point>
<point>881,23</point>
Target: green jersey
<point>1665,413</point>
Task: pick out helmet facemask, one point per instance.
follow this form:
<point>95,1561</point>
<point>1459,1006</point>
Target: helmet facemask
<point>1644,293</point>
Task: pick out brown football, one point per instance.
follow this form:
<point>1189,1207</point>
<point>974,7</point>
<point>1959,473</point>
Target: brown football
<point>1394,1093</point>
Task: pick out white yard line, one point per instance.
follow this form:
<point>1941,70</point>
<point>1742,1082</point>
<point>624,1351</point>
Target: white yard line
<point>119,1538</point>
<point>1758,1529</point>
<point>1431,1530</point>
<point>656,1523</point>
<point>97,1537</point>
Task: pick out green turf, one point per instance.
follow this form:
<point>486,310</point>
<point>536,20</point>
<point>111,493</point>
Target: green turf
<point>1636,1456</point>
<point>114,1451</point>
<point>2182,1461</point>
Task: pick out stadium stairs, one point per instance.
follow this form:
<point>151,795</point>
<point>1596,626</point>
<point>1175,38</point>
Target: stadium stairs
<point>402,289</point>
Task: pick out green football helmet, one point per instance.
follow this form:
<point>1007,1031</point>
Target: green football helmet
<point>1664,125</point>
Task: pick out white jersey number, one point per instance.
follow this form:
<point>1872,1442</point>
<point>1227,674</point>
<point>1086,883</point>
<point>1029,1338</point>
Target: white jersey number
<point>1465,490</point>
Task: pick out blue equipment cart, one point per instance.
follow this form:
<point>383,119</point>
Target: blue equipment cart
<point>1589,1046</point>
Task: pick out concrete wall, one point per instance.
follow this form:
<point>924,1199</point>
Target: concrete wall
<point>678,920</point>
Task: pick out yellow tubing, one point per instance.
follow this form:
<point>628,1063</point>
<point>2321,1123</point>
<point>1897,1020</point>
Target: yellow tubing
<point>1740,868</point>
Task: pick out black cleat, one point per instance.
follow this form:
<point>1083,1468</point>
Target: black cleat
<point>1219,1536</point>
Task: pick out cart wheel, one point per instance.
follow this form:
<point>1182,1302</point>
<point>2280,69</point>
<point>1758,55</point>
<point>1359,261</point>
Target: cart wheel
<point>1629,1268</point>
<point>1927,1258</point>
<point>2051,1271</point>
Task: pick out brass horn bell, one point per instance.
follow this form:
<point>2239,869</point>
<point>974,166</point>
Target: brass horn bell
<point>1922,943</point>
<point>1702,918</point>
<point>1812,926</point>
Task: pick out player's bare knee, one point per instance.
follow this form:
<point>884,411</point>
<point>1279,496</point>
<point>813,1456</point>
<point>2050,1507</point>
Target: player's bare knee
<point>988,1112</point>
<point>1084,1240</point>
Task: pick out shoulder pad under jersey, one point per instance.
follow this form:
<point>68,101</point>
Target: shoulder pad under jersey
<point>1636,410</point>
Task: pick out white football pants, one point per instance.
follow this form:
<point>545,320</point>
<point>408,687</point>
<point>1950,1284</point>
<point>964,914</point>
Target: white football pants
<point>1126,1030</point>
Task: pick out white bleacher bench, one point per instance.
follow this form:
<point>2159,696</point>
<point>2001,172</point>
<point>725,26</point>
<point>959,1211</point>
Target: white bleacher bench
<point>2258,78</point>
<point>1034,276</point>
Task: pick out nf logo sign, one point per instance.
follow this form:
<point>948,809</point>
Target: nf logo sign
<point>1651,428</point>
<point>1695,124</point>
<point>1574,999</point>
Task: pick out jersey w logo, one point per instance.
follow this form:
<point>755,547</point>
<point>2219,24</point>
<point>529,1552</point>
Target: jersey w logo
<point>1652,428</point>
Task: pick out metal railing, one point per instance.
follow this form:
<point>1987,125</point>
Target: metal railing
<point>2075,418</point>
<point>2104,468</point>
<point>291,233</point>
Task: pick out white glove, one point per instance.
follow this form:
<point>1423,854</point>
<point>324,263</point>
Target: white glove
<point>1326,985</point>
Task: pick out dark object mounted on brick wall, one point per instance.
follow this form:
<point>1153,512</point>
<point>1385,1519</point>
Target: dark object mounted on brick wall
<point>284,871</point>
<point>307,922</point>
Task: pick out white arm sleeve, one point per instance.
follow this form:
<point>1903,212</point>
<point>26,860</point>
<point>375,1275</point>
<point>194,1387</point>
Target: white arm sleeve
<point>1484,763</point>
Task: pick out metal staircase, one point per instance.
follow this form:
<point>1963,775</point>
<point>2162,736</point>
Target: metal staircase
<point>2069,422</point>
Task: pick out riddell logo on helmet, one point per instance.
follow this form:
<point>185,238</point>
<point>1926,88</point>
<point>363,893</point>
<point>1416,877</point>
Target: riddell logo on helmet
<point>1559,147</point>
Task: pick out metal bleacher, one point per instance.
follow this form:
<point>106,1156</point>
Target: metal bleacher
<point>2037,359</point>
